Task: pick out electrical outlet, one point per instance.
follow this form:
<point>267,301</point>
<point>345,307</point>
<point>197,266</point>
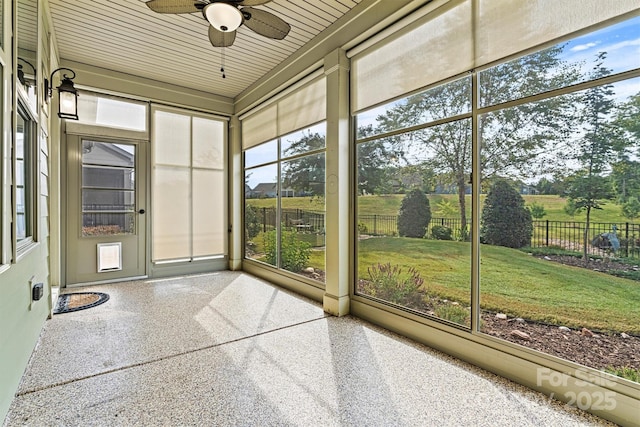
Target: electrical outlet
<point>37,291</point>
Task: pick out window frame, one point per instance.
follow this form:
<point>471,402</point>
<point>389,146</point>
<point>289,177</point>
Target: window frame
<point>30,175</point>
<point>279,159</point>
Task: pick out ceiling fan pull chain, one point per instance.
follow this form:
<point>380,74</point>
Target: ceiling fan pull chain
<point>222,63</point>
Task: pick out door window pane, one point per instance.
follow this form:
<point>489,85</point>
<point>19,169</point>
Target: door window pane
<point>105,224</point>
<point>108,188</point>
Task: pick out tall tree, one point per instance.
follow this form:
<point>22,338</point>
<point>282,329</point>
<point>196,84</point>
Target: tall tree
<point>594,151</point>
<point>625,179</point>
<point>305,175</point>
<point>514,140</point>
<point>374,167</point>
<point>629,118</point>
<point>626,172</point>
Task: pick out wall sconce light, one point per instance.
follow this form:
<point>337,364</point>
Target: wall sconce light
<point>23,81</point>
<point>67,95</point>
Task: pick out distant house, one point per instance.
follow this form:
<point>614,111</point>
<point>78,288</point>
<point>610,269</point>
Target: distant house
<point>249,193</point>
<point>270,189</point>
<point>108,182</point>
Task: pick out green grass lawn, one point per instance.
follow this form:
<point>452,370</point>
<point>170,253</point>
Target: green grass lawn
<point>390,204</point>
<point>514,282</point>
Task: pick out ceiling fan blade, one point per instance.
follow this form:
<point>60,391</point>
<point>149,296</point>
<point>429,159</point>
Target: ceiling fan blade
<point>265,23</point>
<point>173,6</point>
<point>253,2</point>
<point>221,38</point>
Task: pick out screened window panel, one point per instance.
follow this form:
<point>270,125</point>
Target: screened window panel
<point>112,112</point>
<point>303,107</point>
<point>172,139</point>
<point>537,22</point>
<point>208,212</point>
<point>263,153</point>
<point>172,213</point>
<point>208,143</point>
<point>260,127</point>
<point>431,51</point>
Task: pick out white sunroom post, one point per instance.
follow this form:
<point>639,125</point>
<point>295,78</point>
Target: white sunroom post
<point>338,218</point>
<point>235,190</point>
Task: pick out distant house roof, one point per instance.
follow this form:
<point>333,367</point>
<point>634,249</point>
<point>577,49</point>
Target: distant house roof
<point>266,187</point>
<point>106,154</point>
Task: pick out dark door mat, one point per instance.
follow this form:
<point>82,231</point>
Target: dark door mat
<point>79,301</point>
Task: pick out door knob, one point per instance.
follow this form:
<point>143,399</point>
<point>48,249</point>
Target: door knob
<point>141,211</point>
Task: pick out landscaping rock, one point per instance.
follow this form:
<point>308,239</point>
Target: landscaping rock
<point>625,336</point>
<point>309,270</point>
<point>586,332</point>
<point>501,316</point>
<point>564,329</point>
<point>520,335</point>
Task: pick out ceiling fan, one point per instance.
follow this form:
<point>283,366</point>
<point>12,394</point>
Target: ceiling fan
<point>225,16</point>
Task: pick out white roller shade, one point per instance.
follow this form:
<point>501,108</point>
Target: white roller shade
<point>260,127</point>
<point>302,107</point>
<point>437,46</point>
<point>464,34</point>
<point>507,27</point>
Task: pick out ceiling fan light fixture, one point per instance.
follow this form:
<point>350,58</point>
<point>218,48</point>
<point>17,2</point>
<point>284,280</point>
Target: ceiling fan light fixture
<point>223,16</point>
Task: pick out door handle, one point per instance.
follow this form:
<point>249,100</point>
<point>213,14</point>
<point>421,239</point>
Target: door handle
<point>141,211</point>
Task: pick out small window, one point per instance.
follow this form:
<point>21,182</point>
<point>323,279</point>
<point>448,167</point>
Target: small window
<point>24,154</point>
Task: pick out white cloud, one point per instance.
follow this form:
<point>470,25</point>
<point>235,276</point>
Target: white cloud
<point>623,44</point>
<point>585,46</point>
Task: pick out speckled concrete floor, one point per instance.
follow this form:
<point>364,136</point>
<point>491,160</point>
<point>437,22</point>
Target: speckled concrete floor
<point>229,349</point>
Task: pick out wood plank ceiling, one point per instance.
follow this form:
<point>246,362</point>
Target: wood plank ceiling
<point>126,36</point>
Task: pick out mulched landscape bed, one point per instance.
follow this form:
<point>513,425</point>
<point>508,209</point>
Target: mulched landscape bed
<point>581,346</point>
<point>589,348</point>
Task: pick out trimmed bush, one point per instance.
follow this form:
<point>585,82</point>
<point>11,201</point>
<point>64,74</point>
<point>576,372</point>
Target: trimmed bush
<point>251,221</point>
<point>389,283</point>
<point>414,215</point>
<point>294,255</point>
<point>505,219</point>
<point>440,232</point>
<point>537,210</point>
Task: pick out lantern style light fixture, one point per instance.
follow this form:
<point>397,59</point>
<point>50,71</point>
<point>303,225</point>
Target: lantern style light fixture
<point>21,76</point>
<point>223,16</point>
<point>67,95</point>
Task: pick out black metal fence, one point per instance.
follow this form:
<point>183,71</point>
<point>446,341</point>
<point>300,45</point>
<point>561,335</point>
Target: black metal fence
<point>569,235</point>
<point>566,235</point>
<point>387,225</point>
<point>299,219</point>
